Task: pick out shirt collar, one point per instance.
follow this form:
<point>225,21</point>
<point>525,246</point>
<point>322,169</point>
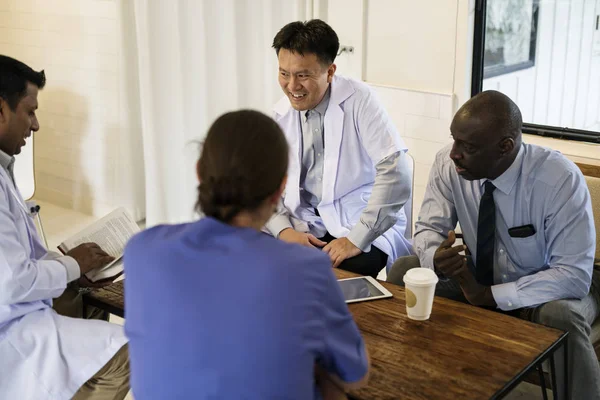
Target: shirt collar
<point>507,180</point>
<point>323,104</point>
<point>6,161</point>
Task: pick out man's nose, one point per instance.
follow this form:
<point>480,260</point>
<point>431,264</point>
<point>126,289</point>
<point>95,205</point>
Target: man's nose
<point>294,84</point>
<point>454,153</point>
<point>35,125</point>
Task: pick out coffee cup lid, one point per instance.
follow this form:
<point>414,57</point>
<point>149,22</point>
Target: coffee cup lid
<point>420,277</point>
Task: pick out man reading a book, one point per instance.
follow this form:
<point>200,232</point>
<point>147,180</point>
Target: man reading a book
<point>44,355</point>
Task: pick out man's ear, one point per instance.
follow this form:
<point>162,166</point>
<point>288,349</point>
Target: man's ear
<point>3,111</point>
<point>331,72</point>
<point>507,145</point>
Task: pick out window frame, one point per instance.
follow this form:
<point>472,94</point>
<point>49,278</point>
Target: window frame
<point>477,76</point>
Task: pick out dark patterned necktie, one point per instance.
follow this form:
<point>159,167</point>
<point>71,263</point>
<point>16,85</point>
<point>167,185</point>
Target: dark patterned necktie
<point>486,236</point>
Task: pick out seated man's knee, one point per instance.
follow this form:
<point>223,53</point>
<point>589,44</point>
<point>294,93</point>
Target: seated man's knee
<point>563,314</point>
<point>400,267</point>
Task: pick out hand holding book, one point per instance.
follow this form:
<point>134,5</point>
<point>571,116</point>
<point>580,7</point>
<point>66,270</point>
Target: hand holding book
<point>89,256</point>
<point>105,241</point>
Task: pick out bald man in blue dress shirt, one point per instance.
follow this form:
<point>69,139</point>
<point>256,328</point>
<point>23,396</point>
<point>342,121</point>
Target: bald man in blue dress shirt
<point>526,216</point>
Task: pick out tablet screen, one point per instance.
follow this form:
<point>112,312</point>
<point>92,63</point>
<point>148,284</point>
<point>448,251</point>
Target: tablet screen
<point>359,288</point>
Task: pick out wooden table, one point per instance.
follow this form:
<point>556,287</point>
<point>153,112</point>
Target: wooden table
<point>461,352</point>
<point>110,298</point>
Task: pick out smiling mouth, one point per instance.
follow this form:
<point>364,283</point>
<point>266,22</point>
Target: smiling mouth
<point>297,96</point>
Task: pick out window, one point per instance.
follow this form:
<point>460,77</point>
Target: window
<point>544,55</point>
<point>510,36</point>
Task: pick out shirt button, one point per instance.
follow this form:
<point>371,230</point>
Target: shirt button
<point>509,304</point>
<point>504,276</point>
<point>501,251</point>
<point>316,131</point>
<point>319,154</point>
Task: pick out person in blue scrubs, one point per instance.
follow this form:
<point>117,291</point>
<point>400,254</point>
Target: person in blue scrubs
<point>217,309</point>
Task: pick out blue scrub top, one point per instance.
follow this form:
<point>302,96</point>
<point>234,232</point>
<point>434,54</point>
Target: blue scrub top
<point>220,312</point>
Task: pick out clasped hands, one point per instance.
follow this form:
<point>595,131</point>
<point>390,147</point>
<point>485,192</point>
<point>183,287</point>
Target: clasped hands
<point>448,261</point>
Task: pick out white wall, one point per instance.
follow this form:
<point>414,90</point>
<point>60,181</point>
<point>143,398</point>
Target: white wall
<point>423,120</point>
<point>85,150</point>
<point>425,30</point>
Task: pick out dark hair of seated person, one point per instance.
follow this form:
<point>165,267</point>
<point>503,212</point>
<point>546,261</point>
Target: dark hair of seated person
<point>244,160</point>
<point>14,76</point>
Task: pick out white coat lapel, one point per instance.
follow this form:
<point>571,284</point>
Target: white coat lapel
<point>23,209</point>
<point>289,122</point>
<point>14,192</point>
<point>341,89</point>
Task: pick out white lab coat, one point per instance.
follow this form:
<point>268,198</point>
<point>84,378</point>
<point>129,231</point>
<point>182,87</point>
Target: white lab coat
<point>42,355</point>
<point>358,135</point>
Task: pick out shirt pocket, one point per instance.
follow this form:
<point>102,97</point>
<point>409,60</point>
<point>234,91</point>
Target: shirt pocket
<point>525,253</point>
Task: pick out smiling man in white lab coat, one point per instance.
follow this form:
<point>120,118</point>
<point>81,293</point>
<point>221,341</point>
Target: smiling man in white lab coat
<point>44,355</point>
<point>348,178</point>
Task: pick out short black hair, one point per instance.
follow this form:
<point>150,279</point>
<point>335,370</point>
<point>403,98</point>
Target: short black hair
<point>14,76</point>
<point>313,36</point>
<point>498,110</point>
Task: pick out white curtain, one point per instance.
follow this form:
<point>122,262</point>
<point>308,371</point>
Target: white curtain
<point>197,60</point>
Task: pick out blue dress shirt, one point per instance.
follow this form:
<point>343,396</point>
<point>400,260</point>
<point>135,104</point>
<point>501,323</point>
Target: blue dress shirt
<point>542,188</point>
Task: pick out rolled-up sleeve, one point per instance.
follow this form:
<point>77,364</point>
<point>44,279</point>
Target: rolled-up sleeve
<point>391,191</point>
<point>392,185</point>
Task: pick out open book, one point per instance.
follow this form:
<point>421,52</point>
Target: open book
<point>111,233</point>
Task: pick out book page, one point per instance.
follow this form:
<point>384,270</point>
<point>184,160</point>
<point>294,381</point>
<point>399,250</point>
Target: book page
<point>113,269</point>
<point>111,233</point>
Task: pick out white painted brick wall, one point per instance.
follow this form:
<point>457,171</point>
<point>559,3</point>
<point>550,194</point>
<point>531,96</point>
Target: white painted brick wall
<point>79,44</point>
<point>423,120</point>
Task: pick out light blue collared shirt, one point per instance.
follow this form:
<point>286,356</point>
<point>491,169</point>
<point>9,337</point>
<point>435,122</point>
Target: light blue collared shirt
<point>542,188</point>
<point>313,149</point>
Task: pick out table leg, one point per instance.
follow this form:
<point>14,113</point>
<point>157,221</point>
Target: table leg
<point>542,381</point>
<point>553,376</point>
<point>566,368</point>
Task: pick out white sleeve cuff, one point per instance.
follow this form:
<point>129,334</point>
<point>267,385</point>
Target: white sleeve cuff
<point>426,258</point>
<point>506,296</point>
<point>278,223</point>
<point>361,237</point>
<point>73,271</point>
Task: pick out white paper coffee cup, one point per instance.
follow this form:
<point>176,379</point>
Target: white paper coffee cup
<point>420,289</point>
